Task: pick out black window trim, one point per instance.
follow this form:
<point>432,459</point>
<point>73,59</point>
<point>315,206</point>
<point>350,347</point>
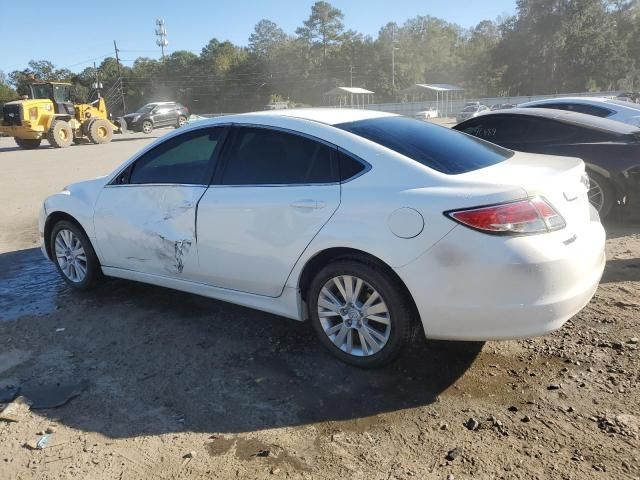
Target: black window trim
<point>215,158</point>
<point>221,165</point>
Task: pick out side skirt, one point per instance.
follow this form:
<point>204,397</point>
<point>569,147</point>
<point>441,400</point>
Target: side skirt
<point>286,305</point>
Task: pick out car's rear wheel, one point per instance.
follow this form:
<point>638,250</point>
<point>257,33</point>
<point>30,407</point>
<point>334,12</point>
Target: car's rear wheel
<point>600,194</point>
<point>181,121</point>
<point>74,256</point>
<point>360,313</point>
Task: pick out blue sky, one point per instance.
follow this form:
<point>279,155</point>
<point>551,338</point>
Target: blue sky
<point>88,32</point>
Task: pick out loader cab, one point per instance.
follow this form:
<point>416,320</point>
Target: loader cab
<point>58,93</point>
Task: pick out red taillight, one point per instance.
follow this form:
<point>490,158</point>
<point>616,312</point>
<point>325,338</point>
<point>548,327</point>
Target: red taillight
<point>534,215</point>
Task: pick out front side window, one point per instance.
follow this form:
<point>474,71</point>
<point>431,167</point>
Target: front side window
<point>439,148</point>
<point>185,159</point>
<point>259,156</point>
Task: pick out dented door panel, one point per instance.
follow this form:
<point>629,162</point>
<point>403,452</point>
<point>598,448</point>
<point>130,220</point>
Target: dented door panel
<point>149,228</point>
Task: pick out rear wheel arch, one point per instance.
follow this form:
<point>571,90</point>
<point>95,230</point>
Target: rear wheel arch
<point>50,222</point>
<point>325,257</point>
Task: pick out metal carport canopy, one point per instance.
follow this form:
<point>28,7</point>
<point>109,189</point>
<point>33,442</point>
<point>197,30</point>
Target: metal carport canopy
<point>442,91</point>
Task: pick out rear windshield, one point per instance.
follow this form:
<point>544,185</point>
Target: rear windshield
<point>445,150</point>
<point>470,109</point>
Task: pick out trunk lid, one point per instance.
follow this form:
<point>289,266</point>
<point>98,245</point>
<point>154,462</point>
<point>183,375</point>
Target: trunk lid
<point>562,181</point>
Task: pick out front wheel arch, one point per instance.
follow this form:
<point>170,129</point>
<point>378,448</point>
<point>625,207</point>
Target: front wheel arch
<point>52,219</point>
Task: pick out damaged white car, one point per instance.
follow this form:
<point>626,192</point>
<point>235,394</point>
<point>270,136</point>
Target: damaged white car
<point>367,224</point>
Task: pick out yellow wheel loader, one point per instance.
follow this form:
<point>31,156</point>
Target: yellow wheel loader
<point>49,112</point>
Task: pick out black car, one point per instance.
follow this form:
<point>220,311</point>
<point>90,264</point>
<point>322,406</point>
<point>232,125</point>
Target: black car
<point>609,149</point>
<point>157,114</point>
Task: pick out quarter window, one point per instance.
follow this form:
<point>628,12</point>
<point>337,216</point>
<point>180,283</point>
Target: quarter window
<point>185,159</point>
<point>259,156</point>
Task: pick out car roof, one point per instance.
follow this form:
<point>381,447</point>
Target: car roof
<point>587,101</point>
<point>327,116</point>
<point>575,118</point>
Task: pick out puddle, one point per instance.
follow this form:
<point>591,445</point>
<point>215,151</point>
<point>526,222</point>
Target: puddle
<point>250,448</point>
<point>29,284</point>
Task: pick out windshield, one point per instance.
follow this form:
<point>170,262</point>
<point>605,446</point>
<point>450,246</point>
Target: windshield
<point>41,91</point>
<point>442,149</point>
<point>147,108</point>
<point>470,109</point>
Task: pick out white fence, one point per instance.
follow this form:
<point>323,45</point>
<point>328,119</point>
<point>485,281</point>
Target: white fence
<point>411,108</point>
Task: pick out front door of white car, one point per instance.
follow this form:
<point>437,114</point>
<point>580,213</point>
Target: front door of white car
<point>145,220</point>
<point>272,194</point>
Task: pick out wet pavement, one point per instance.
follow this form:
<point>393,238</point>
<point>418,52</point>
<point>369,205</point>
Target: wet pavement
<point>29,285</point>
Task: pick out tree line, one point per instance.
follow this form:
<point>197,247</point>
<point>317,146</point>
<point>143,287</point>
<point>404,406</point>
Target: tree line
<point>547,46</point>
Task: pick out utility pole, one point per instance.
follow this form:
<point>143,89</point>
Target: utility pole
<point>351,75</point>
<point>124,105</point>
<point>98,84</point>
<point>393,56</point>
<point>161,33</point>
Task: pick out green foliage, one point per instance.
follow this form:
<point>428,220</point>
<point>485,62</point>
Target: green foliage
<point>548,46</point>
<point>6,92</point>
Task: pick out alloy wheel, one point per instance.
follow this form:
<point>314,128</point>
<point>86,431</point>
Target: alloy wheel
<point>595,194</point>
<point>71,256</point>
<point>354,315</point>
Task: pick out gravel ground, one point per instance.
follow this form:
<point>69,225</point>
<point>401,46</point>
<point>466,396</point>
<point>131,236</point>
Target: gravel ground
<point>172,385</point>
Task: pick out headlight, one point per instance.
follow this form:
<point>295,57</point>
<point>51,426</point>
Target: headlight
<point>135,119</point>
<point>33,113</point>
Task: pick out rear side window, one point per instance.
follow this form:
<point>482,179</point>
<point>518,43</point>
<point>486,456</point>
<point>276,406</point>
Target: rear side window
<point>439,148</point>
<point>185,159</point>
<point>517,131</point>
<point>259,156</point>
<point>349,166</point>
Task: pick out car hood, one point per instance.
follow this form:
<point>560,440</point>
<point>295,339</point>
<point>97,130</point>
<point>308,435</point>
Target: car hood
<point>87,190</point>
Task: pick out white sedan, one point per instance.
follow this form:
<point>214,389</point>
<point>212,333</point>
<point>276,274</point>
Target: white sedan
<point>365,223</point>
<point>613,109</point>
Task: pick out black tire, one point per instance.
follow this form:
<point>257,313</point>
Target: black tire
<point>87,125</point>
<point>60,134</point>
<point>122,125</point>
<point>147,127</point>
<point>28,143</point>
<point>181,121</point>
<point>608,194</point>
<point>100,131</point>
<point>401,311</point>
<point>93,270</point>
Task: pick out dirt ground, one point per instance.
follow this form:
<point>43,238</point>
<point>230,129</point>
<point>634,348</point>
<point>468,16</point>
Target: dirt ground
<point>171,385</point>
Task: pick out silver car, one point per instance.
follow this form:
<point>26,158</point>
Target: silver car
<point>471,111</point>
<point>613,109</point>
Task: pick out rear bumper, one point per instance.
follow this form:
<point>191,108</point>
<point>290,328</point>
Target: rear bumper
<point>473,286</point>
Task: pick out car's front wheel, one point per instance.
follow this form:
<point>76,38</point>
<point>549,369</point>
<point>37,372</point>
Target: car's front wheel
<point>147,127</point>
<point>360,313</point>
<point>74,256</point>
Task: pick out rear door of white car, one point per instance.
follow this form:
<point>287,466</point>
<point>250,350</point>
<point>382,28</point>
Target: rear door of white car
<point>145,219</point>
<point>272,193</point>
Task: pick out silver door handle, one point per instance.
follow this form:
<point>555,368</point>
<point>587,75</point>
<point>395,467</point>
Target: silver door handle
<point>312,204</point>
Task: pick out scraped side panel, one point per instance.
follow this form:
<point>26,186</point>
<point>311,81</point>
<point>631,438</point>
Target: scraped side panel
<point>149,228</point>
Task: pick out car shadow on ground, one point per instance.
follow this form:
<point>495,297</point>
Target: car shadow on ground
<point>156,360</point>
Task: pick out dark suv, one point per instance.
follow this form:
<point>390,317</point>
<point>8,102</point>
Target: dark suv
<point>157,114</point>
